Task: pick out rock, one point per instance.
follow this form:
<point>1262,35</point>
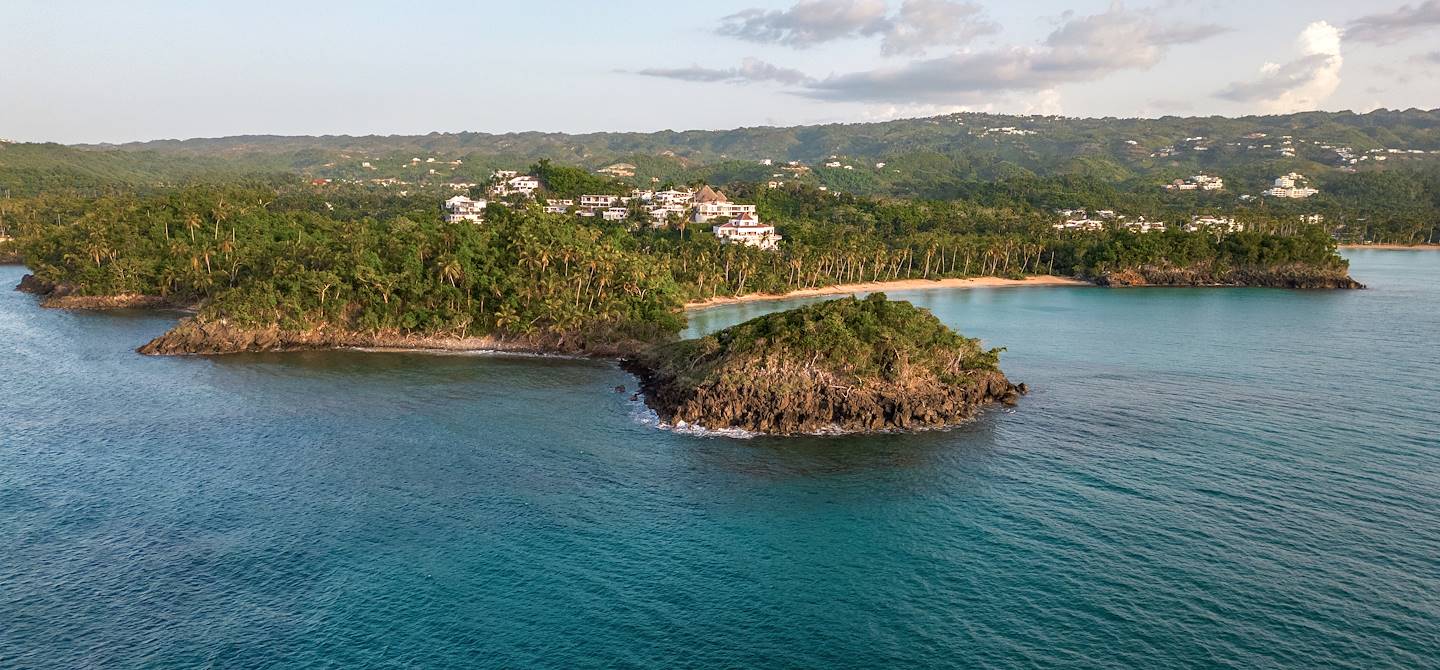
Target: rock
<point>851,365</point>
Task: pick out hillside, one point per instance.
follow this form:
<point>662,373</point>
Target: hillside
<point>968,145</point>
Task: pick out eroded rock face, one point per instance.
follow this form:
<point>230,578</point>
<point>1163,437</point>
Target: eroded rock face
<point>1292,277</point>
<point>844,365</point>
<point>788,402</point>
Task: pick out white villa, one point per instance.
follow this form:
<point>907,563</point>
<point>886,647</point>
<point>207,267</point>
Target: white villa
<point>748,230</point>
<point>1225,223</point>
<point>461,208</point>
<point>522,184</point>
<point>1292,185</point>
<point>554,206</point>
<point>598,200</point>
<point>1199,182</point>
<point>711,204</point>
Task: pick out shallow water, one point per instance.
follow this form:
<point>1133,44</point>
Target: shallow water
<point>1201,478</point>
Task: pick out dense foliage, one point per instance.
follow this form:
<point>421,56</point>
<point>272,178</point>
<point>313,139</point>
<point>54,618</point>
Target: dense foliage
<point>870,339</point>
<point>1039,164</point>
<point>289,254</point>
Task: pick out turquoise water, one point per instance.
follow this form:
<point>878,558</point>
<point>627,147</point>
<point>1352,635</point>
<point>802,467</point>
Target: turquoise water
<point>1202,478</point>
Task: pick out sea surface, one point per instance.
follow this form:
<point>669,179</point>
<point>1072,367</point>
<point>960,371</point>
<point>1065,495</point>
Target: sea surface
<point>1222,478</point>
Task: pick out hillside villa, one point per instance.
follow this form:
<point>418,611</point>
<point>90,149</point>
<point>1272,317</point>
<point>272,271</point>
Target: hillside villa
<point>747,229</point>
<point>461,208</point>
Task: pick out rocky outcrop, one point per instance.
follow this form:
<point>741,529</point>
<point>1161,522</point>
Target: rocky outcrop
<point>199,336</point>
<point>1290,276</point>
<point>786,402</point>
<point>61,296</point>
<point>842,366</point>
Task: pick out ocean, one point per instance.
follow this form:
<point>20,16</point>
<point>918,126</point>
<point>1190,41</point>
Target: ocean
<point>1200,478</point>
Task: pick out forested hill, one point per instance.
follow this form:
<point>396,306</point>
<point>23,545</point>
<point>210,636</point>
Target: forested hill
<point>1053,138</point>
<point>915,151</point>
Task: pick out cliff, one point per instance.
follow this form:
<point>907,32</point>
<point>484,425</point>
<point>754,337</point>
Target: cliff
<point>847,365</point>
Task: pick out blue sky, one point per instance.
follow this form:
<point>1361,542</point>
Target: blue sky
<point>118,71</point>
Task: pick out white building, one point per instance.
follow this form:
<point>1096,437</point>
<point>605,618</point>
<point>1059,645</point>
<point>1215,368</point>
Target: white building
<point>1292,185</point>
<point>712,204</point>
<point>556,206</point>
<point>1222,223</point>
<point>461,208</point>
<point>615,214</point>
<point>598,200</point>
<point>748,230</point>
<point>518,184</point>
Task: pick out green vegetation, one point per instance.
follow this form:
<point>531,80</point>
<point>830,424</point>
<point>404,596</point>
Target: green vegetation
<point>870,339</point>
<point>281,253</point>
<point>1060,163</point>
<point>846,364</point>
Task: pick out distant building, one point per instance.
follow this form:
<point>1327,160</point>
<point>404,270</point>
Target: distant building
<point>1292,185</point>
<point>712,204</point>
<point>461,208</point>
<point>1221,223</point>
<point>618,170</point>
<point>748,230</point>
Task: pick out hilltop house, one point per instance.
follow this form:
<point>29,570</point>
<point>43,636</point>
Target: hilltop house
<point>1292,185</point>
<point>516,184</point>
<point>711,204</point>
<point>461,208</point>
<point>746,229</point>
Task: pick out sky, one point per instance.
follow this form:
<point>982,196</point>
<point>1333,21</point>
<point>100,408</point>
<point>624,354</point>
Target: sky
<point>82,72</point>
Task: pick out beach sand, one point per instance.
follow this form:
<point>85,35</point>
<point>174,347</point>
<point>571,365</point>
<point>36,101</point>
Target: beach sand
<point>1393,247</point>
<point>900,285</point>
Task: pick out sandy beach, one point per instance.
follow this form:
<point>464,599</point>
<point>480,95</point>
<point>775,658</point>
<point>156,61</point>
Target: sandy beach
<point>1393,247</point>
<point>900,285</point>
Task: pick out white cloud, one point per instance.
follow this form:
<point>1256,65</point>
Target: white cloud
<point>808,23</point>
<point>922,24</point>
<point>917,25</point>
<point>1082,49</point>
<point>1301,84</point>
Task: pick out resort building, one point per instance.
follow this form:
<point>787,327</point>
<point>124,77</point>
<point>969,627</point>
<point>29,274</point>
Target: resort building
<point>461,208</point>
<point>556,206</point>
<point>748,230</point>
<point>712,204</point>
<point>1293,185</point>
<point>1198,182</point>
<point>1214,223</point>
<point>593,201</point>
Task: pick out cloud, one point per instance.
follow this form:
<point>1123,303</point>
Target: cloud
<point>1301,84</point>
<point>917,26</point>
<point>921,24</point>
<point>1082,49</point>
<point>1390,27</point>
<point>808,23</point>
<point>751,70</point>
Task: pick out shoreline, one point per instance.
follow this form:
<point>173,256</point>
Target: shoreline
<point>1392,247</point>
<point>897,285</point>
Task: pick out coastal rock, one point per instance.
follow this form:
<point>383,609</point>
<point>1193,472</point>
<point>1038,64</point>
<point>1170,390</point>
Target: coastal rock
<point>63,296</point>
<point>1288,276</point>
<point>207,336</point>
<point>847,365</point>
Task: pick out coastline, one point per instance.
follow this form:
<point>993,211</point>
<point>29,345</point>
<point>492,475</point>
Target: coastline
<point>897,285</point>
<point>1392,247</point>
